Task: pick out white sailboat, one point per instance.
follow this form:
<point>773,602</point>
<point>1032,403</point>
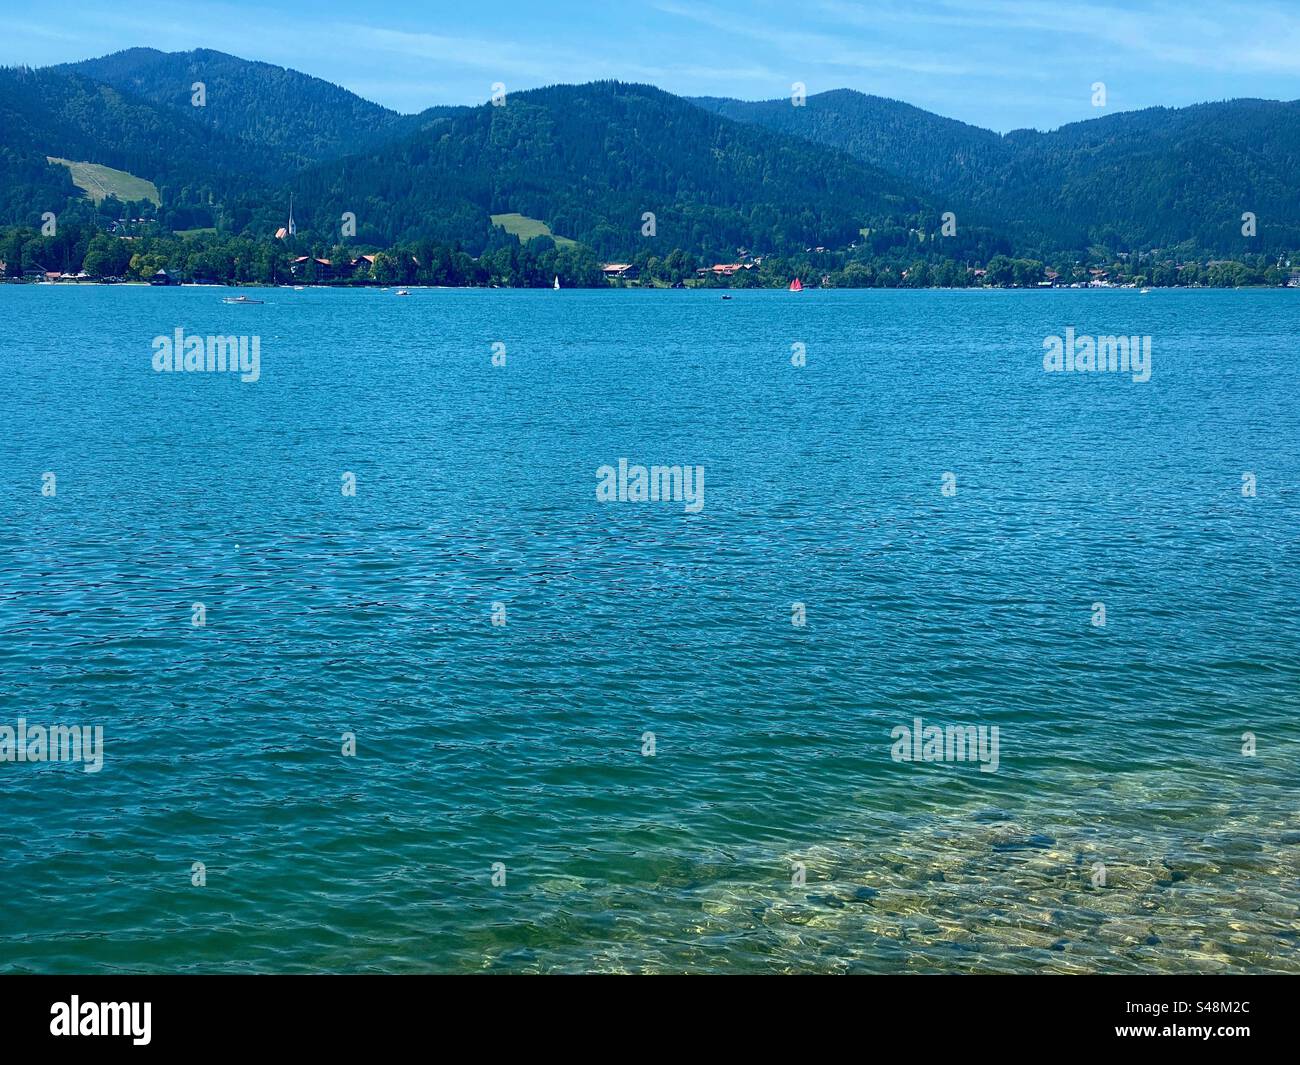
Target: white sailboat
<point>557,281</point>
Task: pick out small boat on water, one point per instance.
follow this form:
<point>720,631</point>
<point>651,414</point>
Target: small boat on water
<point>557,281</point>
<point>1144,292</point>
<point>796,285</point>
<point>239,299</point>
<point>298,288</point>
<point>726,297</point>
<point>402,292</point>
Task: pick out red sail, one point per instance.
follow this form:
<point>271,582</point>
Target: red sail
<point>796,285</point>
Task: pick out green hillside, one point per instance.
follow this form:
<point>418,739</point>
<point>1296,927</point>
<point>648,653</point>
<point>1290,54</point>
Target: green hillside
<point>1132,181</point>
<point>100,182</point>
<point>593,160</point>
<point>527,229</point>
<point>302,119</point>
<point>198,173</point>
<point>858,175</point>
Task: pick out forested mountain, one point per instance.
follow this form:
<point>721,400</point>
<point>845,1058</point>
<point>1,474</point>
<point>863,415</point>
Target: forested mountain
<point>589,160</point>
<point>863,176</point>
<point>64,114</point>
<point>1133,181</point>
<point>303,119</point>
<point>1158,178</point>
<point>592,160</point>
<point>934,153</point>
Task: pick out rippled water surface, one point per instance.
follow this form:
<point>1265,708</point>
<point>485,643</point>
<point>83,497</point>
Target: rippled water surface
<point>1120,746</point>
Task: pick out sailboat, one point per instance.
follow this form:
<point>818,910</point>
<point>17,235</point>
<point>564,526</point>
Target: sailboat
<point>796,285</point>
<point>557,281</point>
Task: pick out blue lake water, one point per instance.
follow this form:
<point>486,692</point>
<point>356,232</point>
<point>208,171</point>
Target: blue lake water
<point>1124,829</point>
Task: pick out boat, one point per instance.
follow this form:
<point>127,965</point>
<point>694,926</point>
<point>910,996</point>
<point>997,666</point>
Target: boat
<point>402,292</point>
<point>726,297</point>
<point>297,288</point>
<point>796,285</point>
<point>239,299</point>
<point>1144,292</point>
<point>557,281</point>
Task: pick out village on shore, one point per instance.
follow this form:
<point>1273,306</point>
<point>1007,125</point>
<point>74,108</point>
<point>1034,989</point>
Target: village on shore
<point>130,250</point>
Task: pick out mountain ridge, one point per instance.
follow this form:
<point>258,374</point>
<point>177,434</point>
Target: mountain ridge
<point>1164,176</point>
<point>705,180</point>
<point>844,170</point>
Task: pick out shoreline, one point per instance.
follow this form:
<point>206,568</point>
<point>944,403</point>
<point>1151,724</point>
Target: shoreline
<point>71,283</point>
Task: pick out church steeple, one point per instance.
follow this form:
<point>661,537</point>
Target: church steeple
<point>285,232</point>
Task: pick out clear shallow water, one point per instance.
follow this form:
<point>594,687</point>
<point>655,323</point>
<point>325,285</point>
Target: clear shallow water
<point>478,744</point>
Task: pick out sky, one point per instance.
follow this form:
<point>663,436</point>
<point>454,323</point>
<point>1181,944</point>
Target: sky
<point>1000,64</point>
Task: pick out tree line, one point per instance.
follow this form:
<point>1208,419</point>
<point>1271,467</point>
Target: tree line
<point>140,252</point>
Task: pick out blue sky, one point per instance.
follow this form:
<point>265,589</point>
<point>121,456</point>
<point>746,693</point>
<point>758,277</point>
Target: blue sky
<point>1002,64</point>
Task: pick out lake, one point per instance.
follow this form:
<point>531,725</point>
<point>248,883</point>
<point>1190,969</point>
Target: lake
<point>390,678</point>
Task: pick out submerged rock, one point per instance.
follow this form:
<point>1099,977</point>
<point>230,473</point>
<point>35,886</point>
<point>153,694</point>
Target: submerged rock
<point>990,816</point>
<point>1038,841</point>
